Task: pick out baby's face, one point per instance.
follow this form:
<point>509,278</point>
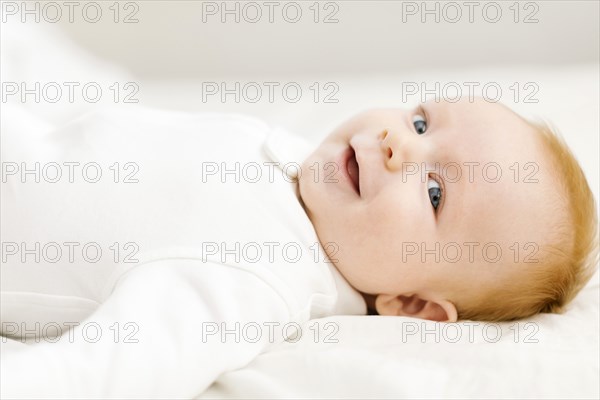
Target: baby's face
<point>419,201</point>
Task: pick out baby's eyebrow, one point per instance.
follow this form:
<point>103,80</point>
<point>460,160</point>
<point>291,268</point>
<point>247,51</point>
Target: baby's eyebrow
<point>439,112</point>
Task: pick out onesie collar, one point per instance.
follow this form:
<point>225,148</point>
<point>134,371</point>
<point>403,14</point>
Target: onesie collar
<point>286,149</point>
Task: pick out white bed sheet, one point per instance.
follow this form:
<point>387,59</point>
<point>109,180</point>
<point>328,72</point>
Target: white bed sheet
<point>548,356</point>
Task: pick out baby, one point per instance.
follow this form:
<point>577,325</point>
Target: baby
<point>449,211</point>
<point>454,211</point>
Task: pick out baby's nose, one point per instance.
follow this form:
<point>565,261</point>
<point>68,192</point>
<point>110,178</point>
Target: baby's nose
<point>399,148</point>
<point>396,149</point>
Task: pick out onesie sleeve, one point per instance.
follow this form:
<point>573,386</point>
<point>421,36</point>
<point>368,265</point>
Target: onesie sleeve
<point>168,330</point>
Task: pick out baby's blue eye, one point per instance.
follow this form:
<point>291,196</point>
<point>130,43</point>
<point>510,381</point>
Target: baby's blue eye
<point>435,192</point>
<point>420,124</point>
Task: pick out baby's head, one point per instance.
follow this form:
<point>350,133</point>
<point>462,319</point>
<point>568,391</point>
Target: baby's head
<point>453,211</point>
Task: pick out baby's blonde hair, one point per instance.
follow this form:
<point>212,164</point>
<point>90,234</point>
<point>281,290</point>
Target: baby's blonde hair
<point>566,266</point>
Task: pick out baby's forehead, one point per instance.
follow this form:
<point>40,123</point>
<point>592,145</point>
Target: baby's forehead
<point>468,102</point>
<point>475,110</point>
<point>510,201</point>
<point>482,130</point>
<point>507,183</point>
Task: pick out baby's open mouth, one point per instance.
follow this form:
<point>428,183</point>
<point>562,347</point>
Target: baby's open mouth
<point>352,168</point>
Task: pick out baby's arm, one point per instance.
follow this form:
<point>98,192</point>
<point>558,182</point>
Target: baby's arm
<point>169,301</point>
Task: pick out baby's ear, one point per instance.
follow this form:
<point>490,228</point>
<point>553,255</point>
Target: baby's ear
<point>416,307</point>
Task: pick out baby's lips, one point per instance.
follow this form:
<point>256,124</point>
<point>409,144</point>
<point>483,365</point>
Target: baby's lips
<point>353,171</point>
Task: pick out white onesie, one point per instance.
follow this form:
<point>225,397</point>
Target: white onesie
<point>174,245</point>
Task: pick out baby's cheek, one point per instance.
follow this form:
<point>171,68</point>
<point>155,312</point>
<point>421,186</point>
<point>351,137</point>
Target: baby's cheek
<point>396,209</point>
<point>341,134</point>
